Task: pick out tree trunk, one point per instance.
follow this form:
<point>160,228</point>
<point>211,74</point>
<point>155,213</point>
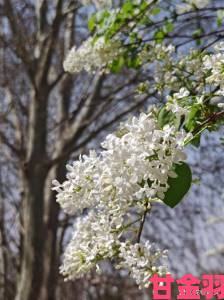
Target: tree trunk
<point>51,250</point>
<point>34,177</point>
<point>33,239</point>
<point>40,261</point>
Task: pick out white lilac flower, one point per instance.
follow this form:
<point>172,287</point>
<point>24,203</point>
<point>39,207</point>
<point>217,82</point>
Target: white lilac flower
<point>143,152</point>
<point>156,52</point>
<point>220,105</point>
<point>173,103</point>
<point>189,5</point>
<point>215,64</point>
<point>134,167</point>
<point>158,58</point>
<point>92,241</point>
<point>141,261</point>
<point>79,184</point>
<point>171,71</point>
<point>92,55</point>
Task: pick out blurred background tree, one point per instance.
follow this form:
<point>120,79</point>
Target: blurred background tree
<point>48,117</point>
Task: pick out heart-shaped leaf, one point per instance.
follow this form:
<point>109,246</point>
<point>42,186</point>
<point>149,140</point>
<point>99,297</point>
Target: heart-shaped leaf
<point>179,186</point>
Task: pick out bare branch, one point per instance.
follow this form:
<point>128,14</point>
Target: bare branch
<point>72,147</point>
<point>46,47</point>
<point>86,109</point>
<point>41,11</point>
<point>11,146</point>
<point>18,38</point>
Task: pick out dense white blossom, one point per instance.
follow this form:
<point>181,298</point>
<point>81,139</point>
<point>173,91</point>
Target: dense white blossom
<point>80,184</point>
<point>172,72</point>
<point>215,64</point>
<point>189,5</point>
<point>140,151</point>
<point>156,52</point>
<point>158,58</point>
<point>92,241</point>
<point>141,261</point>
<point>191,65</point>
<point>132,170</point>
<point>92,55</point>
<point>174,105</point>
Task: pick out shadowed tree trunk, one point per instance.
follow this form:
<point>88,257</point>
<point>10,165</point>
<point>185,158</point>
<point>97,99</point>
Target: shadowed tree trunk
<point>34,176</point>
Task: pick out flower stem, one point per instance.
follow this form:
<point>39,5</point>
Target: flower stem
<point>147,209</point>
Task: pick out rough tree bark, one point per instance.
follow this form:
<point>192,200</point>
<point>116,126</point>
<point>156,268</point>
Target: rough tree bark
<point>34,176</point>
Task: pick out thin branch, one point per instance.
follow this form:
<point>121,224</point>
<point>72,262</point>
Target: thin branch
<point>147,210</point>
<point>211,119</point>
<point>12,147</point>
<point>76,147</point>
<point>20,48</point>
<point>60,77</point>
<point>47,47</point>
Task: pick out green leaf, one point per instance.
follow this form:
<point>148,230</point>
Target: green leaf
<point>159,35</point>
<point>155,11</point>
<point>169,26</point>
<point>192,117</point>
<point>197,32</point>
<point>145,20</point>
<point>143,5</point>
<point>198,42</point>
<point>196,35</point>
<point>92,22</point>
<point>164,117</point>
<point>133,36</point>
<point>133,62</point>
<point>127,9</point>
<point>179,186</point>
<point>117,65</point>
<point>219,22</point>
